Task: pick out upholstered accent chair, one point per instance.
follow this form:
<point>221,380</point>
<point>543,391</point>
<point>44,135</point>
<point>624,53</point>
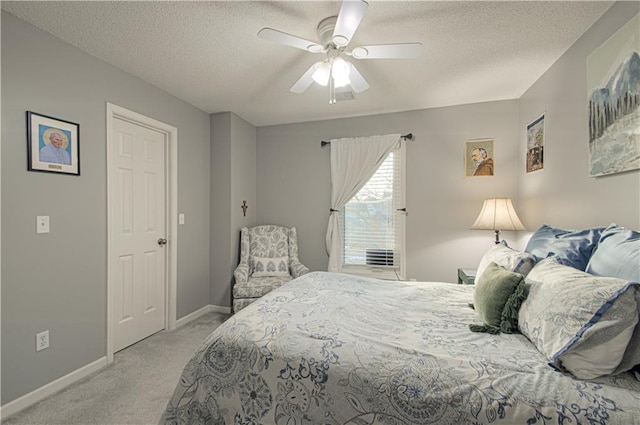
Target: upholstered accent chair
<point>268,259</point>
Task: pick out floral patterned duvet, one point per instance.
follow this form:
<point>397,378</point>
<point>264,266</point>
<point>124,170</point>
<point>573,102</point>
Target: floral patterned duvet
<point>335,349</point>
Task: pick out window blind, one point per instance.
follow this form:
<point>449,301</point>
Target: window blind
<point>371,222</point>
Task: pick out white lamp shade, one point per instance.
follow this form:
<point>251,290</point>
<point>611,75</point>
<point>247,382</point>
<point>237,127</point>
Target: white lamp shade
<point>321,73</point>
<point>340,70</point>
<point>341,81</point>
<point>498,214</point>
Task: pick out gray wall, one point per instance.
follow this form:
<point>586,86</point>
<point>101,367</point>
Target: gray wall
<point>243,185</point>
<point>220,241</point>
<point>233,179</point>
<point>293,181</point>
<point>563,194</point>
<point>57,281</point>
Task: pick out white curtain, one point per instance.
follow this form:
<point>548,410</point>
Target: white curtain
<point>353,163</point>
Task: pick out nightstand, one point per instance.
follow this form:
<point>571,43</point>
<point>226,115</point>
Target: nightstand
<point>466,276</point>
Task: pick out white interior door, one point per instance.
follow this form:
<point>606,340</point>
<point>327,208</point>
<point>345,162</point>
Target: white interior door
<point>138,232</point>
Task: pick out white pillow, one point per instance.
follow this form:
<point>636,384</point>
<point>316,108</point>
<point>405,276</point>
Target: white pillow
<point>580,322</point>
<point>263,267</point>
<point>508,258</point>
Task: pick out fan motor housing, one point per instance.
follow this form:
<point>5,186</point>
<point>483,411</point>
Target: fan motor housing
<point>325,30</point>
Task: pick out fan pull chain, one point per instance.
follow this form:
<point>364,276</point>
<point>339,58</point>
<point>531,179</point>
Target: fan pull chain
<point>332,89</point>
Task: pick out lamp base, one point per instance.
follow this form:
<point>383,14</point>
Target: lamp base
<point>497,236</point>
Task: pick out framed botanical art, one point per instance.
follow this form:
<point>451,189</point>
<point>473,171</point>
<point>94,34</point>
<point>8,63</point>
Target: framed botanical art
<point>478,158</point>
<point>53,144</point>
<point>613,81</point>
<point>535,145</point>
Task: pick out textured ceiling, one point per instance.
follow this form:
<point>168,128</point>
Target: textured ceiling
<point>208,54</point>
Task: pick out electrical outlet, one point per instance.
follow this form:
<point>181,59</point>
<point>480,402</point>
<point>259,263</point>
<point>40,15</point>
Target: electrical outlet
<point>42,340</point>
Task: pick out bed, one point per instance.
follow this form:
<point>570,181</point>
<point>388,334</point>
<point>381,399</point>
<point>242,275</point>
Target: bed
<point>331,348</point>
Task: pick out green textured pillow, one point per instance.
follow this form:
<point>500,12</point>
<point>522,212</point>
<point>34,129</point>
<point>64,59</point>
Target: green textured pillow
<point>497,298</point>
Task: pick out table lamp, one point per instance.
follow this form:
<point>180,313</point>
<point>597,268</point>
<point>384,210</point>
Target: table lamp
<point>497,214</point>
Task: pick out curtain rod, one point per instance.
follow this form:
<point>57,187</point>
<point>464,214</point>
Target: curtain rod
<point>405,137</point>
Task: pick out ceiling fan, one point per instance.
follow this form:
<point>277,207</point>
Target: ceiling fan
<point>335,33</point>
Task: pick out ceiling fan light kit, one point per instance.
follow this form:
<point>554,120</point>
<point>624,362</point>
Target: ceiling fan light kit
<point>340,70</point>
<point>321,73</point>
<point>335,33</point>
<point>336,68</point>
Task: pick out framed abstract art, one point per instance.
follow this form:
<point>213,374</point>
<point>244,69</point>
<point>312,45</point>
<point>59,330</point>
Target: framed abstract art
<point>613,81</point>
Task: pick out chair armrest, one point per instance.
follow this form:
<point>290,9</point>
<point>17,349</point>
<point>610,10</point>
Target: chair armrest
<point>297,268</point>
<point>241,273</point>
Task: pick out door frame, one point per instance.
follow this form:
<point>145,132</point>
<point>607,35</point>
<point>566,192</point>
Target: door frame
<point>171,202</point>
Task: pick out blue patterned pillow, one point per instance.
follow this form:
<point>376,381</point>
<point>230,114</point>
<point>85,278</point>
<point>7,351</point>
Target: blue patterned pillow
<point>617,254</point>
<point>571,247</point>
<point>582,323</point>
<point>263,266</point>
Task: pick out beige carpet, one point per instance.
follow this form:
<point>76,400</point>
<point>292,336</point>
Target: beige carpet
<point>134,389</point>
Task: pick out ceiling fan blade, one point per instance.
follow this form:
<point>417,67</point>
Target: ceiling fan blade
<point>351,13</point>
<point>304,82</point>
<point>358,83</point>
<point>289,40</point>
<point>388,51</point>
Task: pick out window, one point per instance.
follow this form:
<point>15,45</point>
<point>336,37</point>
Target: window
<point>372,225</point>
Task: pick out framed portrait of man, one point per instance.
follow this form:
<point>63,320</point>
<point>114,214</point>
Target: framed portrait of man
<point>478,158</point>
<point>53,144</point>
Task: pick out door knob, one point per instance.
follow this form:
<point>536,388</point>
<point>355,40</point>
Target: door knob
<point>162,241</point>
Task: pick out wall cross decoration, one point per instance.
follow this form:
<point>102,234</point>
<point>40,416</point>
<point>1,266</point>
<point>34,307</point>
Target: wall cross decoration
<point>244,208</point>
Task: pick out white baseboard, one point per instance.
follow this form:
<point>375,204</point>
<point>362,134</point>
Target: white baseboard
<point>35,396</point>
<point>220,309</point>
<point>201,312</point>
<point>13,407</point>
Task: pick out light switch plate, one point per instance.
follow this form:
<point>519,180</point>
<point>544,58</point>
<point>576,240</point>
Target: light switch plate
<point>42,224</point>
<point>181,218</point>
